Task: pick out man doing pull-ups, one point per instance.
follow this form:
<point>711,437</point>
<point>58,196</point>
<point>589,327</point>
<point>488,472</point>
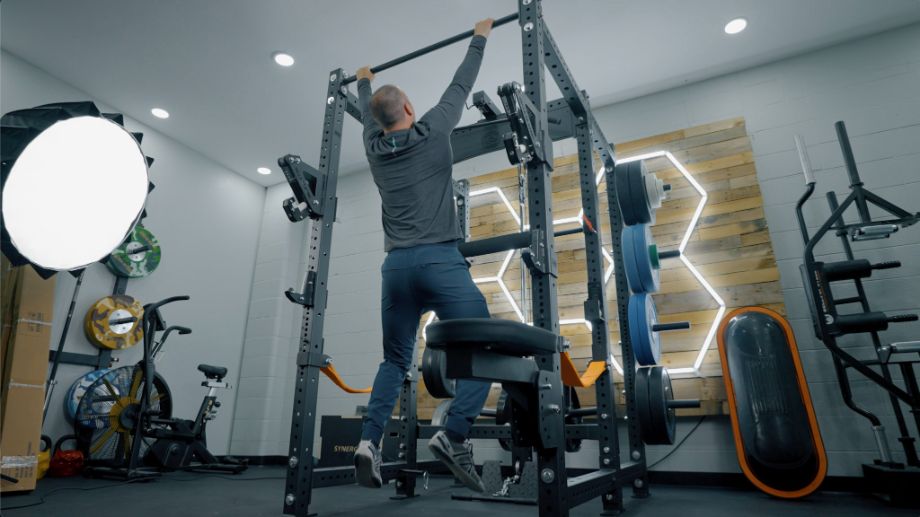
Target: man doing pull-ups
<point>412,162</point>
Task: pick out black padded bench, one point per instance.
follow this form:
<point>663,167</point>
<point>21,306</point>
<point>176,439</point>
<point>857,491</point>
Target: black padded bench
<point>492,349</point>
<point>508,352</point>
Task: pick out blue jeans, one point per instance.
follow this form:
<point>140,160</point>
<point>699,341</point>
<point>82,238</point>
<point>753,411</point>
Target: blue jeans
<point>429,277</point>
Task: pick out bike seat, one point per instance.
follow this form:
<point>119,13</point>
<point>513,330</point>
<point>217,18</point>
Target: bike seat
<point>212,372</point>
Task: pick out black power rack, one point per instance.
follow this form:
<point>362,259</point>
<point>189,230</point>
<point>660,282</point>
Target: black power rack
<point>525,131</point>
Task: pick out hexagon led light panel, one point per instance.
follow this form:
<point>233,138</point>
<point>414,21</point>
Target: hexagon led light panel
<point>691,227</point>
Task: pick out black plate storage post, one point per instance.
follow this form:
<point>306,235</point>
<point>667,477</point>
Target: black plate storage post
<point>608,443</point>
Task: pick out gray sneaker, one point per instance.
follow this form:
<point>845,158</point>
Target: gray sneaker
<point>367,465</point>
<point>458,458</point>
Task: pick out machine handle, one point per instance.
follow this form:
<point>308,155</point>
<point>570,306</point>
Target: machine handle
<point>891,264</point>
<point>151,307</point>
<point>803,157</point>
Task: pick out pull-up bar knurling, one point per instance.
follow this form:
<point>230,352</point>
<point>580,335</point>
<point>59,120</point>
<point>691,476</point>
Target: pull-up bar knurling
<point>431,48</point>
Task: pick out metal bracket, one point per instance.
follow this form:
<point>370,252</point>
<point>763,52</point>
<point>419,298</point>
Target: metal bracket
<point>562,344</point>
<point>552,429</point>
<point>488,109</point>
<point>461,198</point>
<point>308,185</point>
<point>535,257</point>
<point>304,298</point>
<point>313,359</point>
<point>517,152</point>
<point>593,311</point>
<point>525,142</point>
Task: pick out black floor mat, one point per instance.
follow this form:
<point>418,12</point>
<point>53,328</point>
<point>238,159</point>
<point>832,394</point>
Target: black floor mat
<point>258,492</point>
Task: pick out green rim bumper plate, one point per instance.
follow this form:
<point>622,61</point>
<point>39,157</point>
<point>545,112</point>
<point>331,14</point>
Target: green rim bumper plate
<point>137,257</point>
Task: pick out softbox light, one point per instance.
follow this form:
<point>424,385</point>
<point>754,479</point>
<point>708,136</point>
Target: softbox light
<point>74,185</point>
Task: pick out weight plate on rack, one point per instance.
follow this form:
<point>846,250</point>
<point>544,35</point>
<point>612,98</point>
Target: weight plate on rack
<point>642,207</point>
<point>639,192</point>
<point>640,259</point>
<point>625,197</point>
<point>77,390</point>
<point>434,373</point>
<point>642,401</point>
<point>662,418</point>
<point>642,316</point>
<point>114,322</point>
<point>137,257</point>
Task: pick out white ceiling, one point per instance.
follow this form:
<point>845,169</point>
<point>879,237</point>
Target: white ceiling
<point>209,61</point>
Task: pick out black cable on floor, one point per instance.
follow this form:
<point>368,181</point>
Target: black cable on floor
<point>681,442</point>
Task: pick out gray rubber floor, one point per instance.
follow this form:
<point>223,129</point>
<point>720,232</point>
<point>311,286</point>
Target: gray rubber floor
<point>258,492</point>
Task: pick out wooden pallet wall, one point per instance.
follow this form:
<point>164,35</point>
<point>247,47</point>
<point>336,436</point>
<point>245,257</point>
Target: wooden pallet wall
<point>730,247</point>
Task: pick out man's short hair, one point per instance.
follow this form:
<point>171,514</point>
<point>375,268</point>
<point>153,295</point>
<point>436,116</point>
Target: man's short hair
<point>387,105</point>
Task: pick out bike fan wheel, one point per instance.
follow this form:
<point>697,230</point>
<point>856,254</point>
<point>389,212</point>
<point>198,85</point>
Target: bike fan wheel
<point>108,414</point>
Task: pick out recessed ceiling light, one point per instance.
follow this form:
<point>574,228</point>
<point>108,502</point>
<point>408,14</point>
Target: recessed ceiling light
<point>160,113</point>
<point>264,170</point>
<point>735,26</point>
<point>283,58</point>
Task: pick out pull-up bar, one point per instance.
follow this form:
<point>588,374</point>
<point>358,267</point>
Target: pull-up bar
<point>431,48</point>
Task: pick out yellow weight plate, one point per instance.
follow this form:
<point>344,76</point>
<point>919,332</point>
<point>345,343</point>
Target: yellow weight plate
<point>114,322</point>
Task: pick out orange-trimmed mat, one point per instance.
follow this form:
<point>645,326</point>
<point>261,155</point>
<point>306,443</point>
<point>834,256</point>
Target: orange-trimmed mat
<point>776,433</point>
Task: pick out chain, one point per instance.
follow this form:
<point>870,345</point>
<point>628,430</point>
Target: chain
<point>506,486</point>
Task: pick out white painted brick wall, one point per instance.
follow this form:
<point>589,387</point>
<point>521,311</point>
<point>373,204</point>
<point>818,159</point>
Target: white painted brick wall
<point>206,219</point>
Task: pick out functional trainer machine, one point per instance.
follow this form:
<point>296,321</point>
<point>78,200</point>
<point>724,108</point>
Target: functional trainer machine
<point>885,475</point>
<point>529,361</point>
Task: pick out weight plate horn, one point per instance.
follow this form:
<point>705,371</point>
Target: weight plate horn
<point>115,322</point>
<point>644,328</point>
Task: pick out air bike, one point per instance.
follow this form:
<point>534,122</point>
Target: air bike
<point>125,422</point>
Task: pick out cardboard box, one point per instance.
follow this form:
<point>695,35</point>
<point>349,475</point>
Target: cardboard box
<point>7,289</point>
<point>19,445</point>
<point>27,314</point>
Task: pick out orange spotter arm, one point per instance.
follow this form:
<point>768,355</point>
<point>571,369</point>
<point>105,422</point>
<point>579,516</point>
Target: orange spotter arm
<point>334,376</point>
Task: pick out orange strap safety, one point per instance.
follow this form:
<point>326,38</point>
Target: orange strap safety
<point>571,377</point>
<point>334,376</point>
